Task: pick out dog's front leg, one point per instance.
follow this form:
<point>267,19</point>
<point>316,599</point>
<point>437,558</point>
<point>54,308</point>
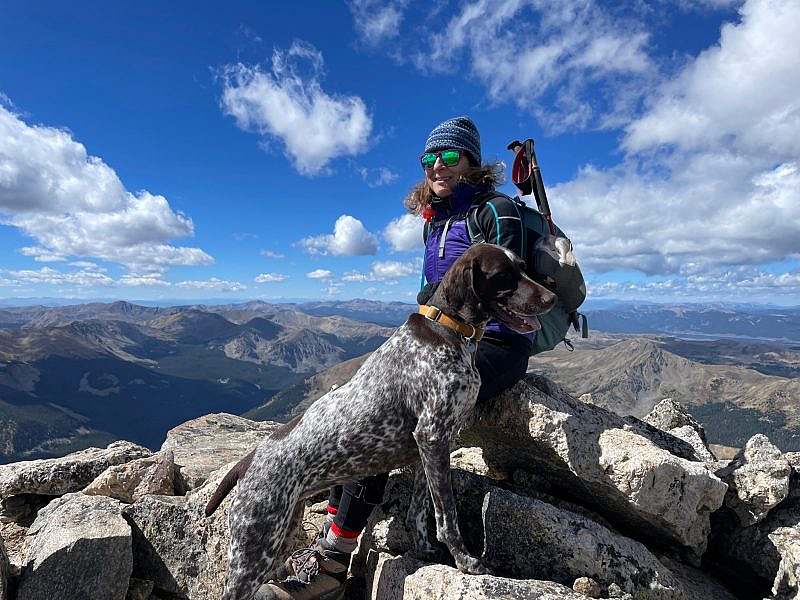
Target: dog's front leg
<point>417,517</point>
<point>434,450</point>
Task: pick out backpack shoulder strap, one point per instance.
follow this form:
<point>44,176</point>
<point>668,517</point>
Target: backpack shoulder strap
<point>476,234</point>
<point>473,228</point>
<point>505,213</point>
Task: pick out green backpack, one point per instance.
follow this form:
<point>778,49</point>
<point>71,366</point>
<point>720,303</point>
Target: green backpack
<point>550,262</point>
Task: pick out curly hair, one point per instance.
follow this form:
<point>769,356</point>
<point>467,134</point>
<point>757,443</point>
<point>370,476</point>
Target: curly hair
<point>420,196</point>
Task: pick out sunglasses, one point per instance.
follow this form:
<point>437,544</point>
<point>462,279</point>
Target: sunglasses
<point>449,158</point>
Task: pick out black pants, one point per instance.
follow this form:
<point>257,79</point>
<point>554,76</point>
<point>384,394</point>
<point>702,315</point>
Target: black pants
<point>501,361</point>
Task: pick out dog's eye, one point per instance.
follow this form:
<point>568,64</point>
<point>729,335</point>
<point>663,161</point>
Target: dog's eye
<point>504,279</point>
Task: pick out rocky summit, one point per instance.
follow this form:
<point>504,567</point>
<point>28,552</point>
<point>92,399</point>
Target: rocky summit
<point>562,498</point>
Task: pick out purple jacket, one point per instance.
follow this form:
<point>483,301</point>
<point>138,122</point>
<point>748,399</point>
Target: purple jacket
<point>448,237</point>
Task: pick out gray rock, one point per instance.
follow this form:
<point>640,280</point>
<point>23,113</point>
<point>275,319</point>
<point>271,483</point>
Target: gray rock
<point>629,471</point>
<point>203,445</point>
<point>71,473</point>
<point>22,508</point>
<point>526,537</point>
<point>668,415</point>
<point>387,531</point>
<point>689,434</point>
<point>614,591</point>
<point>793,458</point>
<point>82,550</point>
<point>5,571</point>
<point>176,546</point>
<point>386,574</point>
<point>133,480</point>
<point>403,578</point>
<point>769,548</point>
<point>786,585</point>
<point>757,478</point>
<point>697,584</point>
<point>588,587</point>
<point>16,543</point>
<point>139,589</point>
<point>473,461</point>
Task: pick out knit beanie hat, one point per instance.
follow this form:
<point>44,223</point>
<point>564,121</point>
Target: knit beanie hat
<point>459,133</point>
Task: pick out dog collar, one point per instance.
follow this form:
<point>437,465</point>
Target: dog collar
<point>470,332</point>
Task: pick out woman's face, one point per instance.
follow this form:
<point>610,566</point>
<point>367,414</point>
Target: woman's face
<point>442,179</point>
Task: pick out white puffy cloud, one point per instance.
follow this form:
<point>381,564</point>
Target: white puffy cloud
<point>742,284</point>
<point>378,177</point>
<point>387,271</point>
<point>41,255</point>
<point>740,94</point>
<point>333,288</point>
<point>285,104</point>
<point>91,277</point>
<point>270,277</point>
<point>151,280</point>
<point>711,179</point>
<point>48,275</point>
<point>681,222</point>
<point>355,276</point>
<point>74,205</point>
<point>320,274</point>
<point>349,238</point>
<point>392,269</point>
<point>85,264</point>
<point>377,20</point>
<point>271,254</point>
<point>404,233</point>
<point>576,63</point>
<point>213,283</point>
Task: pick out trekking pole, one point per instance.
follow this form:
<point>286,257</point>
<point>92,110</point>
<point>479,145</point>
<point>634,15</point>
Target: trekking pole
<point>527,176</point>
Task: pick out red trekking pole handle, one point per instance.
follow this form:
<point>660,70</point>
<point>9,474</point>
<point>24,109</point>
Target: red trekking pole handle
<point>527,176</point>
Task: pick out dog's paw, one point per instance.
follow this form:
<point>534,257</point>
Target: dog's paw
<point>471,565</point>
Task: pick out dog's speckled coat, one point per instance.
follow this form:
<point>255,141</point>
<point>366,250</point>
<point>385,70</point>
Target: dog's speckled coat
<point>404,404</point>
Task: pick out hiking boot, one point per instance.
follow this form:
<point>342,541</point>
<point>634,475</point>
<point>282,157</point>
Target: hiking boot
<point>315,573</point>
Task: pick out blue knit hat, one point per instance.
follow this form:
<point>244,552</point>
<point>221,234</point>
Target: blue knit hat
<point>459,133</point>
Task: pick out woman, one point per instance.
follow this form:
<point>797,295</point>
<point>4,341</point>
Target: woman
<point>454,183</point>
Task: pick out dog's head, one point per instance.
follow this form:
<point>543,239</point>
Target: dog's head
<point>489,282</point>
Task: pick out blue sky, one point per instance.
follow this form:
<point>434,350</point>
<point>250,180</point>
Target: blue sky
<point>185,150</point>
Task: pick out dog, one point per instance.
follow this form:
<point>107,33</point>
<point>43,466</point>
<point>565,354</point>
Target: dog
<point>403,406</point>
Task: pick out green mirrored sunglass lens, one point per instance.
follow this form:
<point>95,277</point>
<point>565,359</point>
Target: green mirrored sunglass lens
<point>428,160</point>
<point>450,157</point>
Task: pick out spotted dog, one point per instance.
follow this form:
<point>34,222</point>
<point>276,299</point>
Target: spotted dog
<point>403,405</point>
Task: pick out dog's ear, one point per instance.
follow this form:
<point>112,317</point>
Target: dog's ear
<point>475,279</point>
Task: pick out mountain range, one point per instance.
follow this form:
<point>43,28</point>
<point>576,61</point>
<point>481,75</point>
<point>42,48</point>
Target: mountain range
<point>629,375</point>
<point>79,375</point>
<point>754,322</point>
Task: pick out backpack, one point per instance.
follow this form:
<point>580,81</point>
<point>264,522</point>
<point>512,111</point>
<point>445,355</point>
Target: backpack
<point>550,262</point>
